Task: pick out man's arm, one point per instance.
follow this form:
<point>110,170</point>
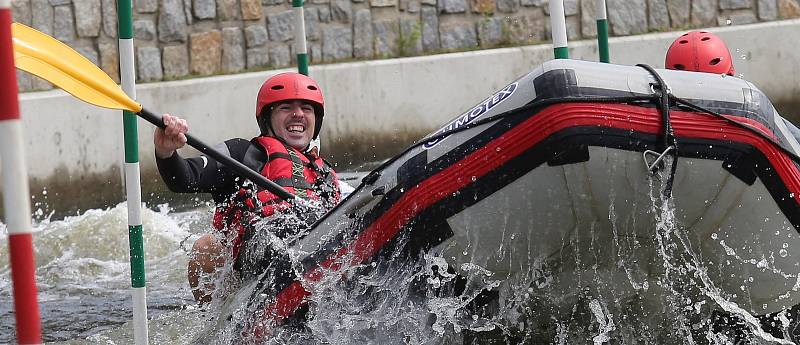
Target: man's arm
<point>192,175</point>
<point>202,174</point>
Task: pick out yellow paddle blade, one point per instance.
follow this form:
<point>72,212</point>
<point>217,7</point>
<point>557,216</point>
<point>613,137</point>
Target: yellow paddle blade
<point>39,54</point>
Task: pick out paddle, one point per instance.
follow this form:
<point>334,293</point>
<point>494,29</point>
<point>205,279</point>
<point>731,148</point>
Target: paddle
<point>48,58</point>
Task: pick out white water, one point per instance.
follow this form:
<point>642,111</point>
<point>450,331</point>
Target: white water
<point>83,270</point>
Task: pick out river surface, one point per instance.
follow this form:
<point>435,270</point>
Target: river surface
<point>84,278</point>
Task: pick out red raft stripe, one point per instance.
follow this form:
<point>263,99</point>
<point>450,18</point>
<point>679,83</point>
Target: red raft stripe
<point>23,269</point>
<point>521,138</point>
<point>287,302</point>
<point>9,104</point>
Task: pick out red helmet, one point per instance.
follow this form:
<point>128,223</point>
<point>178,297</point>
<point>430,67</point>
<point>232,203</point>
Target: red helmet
<point>290,86</point>
<point>700,51</point>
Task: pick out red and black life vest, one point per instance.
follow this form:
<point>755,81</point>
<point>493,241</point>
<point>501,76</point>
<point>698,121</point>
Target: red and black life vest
<point>306,176</point>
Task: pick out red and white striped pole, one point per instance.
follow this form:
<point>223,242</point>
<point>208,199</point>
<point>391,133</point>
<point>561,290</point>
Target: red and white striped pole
<point>15,192</point>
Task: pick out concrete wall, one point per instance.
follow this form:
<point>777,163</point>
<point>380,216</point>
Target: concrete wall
<point>373,109</point>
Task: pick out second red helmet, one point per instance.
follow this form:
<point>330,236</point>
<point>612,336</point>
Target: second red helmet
<point>291,86</point>
<point>700,51</point>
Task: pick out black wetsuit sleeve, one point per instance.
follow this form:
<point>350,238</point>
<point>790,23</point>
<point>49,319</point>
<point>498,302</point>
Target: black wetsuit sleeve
<point>203,174</point>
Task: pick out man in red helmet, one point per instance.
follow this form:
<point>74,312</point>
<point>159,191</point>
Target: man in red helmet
<point>289,112</point>
<point>700,51</point>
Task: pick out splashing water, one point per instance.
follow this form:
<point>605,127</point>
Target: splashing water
<point>409,301</point>
<point>83,272</point>
<point>606,284</point>
<point>690,292</point>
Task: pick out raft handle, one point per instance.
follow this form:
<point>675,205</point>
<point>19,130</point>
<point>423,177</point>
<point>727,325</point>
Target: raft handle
<point>379,191</point>
<point>652,167</point>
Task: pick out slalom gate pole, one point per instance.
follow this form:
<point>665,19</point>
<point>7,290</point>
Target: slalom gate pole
<point>133,188</point>
<point>602,30</point>
<point>300,37</point>
<point>558,26</point>
<point>16,196</point>
<point>302,48</point>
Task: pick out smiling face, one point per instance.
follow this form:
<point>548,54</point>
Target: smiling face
<point>294,122</point>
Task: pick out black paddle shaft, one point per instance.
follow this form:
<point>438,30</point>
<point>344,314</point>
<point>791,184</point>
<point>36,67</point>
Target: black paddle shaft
<point>226,160</point>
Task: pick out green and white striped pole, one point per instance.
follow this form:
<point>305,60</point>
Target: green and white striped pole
<point>301,48</point>
<point>602,30</point>
<point>133,186</point>
<point>558,25</point>
<point>300,37</point>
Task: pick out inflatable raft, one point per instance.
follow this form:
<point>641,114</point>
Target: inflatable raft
<point>582,169</point>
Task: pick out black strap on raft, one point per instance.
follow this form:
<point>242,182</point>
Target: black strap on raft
<point>668,144</point>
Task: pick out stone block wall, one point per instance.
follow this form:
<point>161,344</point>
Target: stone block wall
<point>183,38</point>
